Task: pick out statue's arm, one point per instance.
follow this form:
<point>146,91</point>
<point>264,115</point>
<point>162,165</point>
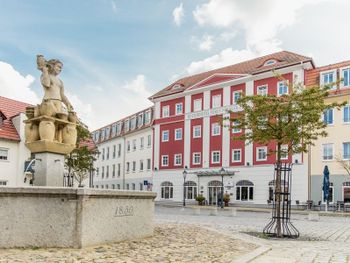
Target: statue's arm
<point>45,78</point>
<point>65,99</point>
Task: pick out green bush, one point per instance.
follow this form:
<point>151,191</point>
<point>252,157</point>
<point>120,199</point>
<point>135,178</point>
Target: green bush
<point>200,199</point>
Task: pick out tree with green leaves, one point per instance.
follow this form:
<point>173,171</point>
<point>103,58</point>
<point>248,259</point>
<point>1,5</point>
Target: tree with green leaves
<point>293,121</point>
<point>80,161</point>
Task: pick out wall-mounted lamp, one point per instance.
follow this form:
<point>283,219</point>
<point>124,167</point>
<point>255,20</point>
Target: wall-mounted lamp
<point>296,161</point>
<point>155,169</point>
<point>248,163</point>
<point>57,160</point>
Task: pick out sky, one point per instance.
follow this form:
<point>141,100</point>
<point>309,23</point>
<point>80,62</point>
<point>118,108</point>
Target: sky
<point>117,53</point>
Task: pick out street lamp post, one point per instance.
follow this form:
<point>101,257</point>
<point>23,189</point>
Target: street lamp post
<point>222,172</point>
<point>184,173</point>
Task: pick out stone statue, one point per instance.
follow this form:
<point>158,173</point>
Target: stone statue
<point>51,126</point>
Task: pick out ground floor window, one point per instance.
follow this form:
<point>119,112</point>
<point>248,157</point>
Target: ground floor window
<point>167,190</point>
<point>346,192</point>
<point>190,190</point>
<point>244,190</point>
<point>214,192</point>
<point>284,189</point>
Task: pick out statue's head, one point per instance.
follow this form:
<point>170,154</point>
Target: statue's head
<point>54,66</point>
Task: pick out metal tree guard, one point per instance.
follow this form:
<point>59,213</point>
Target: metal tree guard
<point>287,228</point>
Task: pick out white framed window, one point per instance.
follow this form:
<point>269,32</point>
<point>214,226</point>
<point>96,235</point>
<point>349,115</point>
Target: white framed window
<point>236,95</point>
<point>234,129</point>
<point>262,90</point>
<point>3,183</point>
<point>197,130</point>
<point>4,154</point>
<point>178,134</point>
<point>261,153</point>
<point>345,75</point>
<point>149,141</point>
<point>196,158</point>
<point>216,101</point>
<point>167,190</point>
<point>244,190</point>
<point>328,77</point>
<point>215,157</point>
<point>141,165</point>
<point>165,160</point>
<point>165,136</point>
<point>147,117</point>
<point>178,159</point>
<point>346,151</point>
<point>178,108</point>
<point>140,120</point>
<point>282,88</point>
<point>328,117</point>
<point>346,114</point>
<point>327,151</point>
<point>148,164</point>
<point>142,142</point>
<point>215,129</point>
<point>126,127</point>
<point>133,123</point>
<point>134,144</point>
<point>197,105</point>
<point>284,152</point>
<point>236,155</point>
<point>134,166</point>
<point>165,111</point>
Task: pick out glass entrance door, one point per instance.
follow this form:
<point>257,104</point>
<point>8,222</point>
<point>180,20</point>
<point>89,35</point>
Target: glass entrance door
<point>214,194</point>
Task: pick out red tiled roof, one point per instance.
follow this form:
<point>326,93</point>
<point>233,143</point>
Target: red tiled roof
<point>10,108</point>
<point>254,66</point>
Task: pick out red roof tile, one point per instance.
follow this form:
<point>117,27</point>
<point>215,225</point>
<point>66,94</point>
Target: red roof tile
<point>10,108</point>
<point>254,66</point>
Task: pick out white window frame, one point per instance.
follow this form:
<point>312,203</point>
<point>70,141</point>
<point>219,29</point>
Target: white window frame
<point>177,112</point>
<point>7,150</point>
<point>257,153</point>
<point>197,128</point>
<point>240,155</point>
<point>343,113</point>
<point>197,105</point>
<point>176,133</point>
<point>234,93</point>
<point>235,130</point>
<point>343,155</point>
<point>165,111</point>
<point>283,147</point>
<point>212,157</point>
<point>260,93</point>
<point>163,133</point>
<point>285,83</point>
<point>149,141</point>
<point>322,153</point>
<point>142,142</point>
<point>342,86</point>
<point>194,158</point>
<point>329,124</point>
<point>215,101</point>
<point>175,159</point>
<point>167,162</point>
<point>213,126</point>
<point>334,73</point>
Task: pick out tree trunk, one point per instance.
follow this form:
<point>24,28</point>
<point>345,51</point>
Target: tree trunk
<point>278,192</point>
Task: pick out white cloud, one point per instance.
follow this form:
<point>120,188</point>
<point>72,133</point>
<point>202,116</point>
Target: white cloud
<point>137,86</point>
<point>261,20</point>
<point>16,86</point>
<point>226,57</point>
<point>206,43</point>
<point>178,14</point>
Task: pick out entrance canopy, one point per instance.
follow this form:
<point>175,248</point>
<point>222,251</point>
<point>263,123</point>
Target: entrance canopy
<point>221,172</point>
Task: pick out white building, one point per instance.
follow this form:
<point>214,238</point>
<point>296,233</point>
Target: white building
<point>13,152</point>
<point>125,159</point>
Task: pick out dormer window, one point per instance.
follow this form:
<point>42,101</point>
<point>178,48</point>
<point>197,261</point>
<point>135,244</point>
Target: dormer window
<point>176,86</point>
<point>270,62</point>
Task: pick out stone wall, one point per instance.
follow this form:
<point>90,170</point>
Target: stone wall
<point>70,217</point>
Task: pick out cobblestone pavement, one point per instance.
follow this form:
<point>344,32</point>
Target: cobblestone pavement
<point>329,237</point>
<point>171,243</point>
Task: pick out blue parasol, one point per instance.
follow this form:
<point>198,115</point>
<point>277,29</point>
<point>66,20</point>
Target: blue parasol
<point>325,187</point>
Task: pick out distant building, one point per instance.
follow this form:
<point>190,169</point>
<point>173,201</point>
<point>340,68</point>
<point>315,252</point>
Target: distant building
<point>13,152</point>
<point>125,153</point>
<point>188,134</point>
<point>337,144</point>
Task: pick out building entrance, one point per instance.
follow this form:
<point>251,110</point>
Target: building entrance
<point>214,192</point>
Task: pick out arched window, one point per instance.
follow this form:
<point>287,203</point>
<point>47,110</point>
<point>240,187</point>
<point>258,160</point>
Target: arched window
<point>190,190</point>
<point>167,190</point>
<point>346,192</point>
<point>244,190</point>
<point>270,62</point>
<point>214,183</point>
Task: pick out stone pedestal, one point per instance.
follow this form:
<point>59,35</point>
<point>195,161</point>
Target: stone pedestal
<point>49,169</point>
<point>73,217</point>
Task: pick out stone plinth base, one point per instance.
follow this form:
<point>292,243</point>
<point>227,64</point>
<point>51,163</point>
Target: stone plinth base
<point>49,169</point>
<point>47,146</point>
<point>68,217</point>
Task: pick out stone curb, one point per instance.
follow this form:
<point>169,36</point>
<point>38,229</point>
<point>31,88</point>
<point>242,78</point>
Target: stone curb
<point>252,255</point>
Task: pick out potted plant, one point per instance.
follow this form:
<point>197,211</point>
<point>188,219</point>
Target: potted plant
<point>200,199</point>
<point>226,199</point>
